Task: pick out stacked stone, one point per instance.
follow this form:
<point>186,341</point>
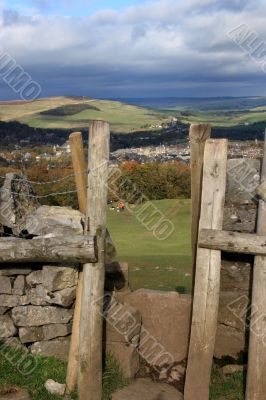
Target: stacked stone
<point>37,307</point>
<point>243,177</point>
<point>36,304</point>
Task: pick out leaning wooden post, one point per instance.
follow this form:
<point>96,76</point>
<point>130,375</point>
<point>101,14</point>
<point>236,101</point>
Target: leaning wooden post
<point>198,135</point>
<point>256,378</point>
<point>207,283</point>
<point>91,323</point>
<point>80,168</point>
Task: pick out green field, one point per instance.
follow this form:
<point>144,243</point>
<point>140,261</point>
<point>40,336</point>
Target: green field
<point>225,118</point>
<point>123,117</point>
<point>155,264</point>
<point>76,112</point>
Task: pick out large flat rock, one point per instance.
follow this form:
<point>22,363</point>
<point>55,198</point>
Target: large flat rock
<point>165,325</point>
<point>145,389</point>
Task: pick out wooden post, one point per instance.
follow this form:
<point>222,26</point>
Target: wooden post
<point>80,168</point>
<point>80,171</point>
<point>207,283</point>
<point>198,135</point>
<point>256,378</point>
<point>91,323</point>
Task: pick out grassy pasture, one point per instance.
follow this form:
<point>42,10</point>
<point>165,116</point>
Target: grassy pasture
<point>155,264</point>
<point>75,113</point>
<point>54,113</point>
<point>226,118</point>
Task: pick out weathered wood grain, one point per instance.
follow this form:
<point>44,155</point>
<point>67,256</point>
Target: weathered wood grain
<point>232,242</point>
<point>79,166</point>
<point>75,248</point>
<point>256,378</point>
<point>91,323</point>
<point>207,283</point>
<point>198,135</point>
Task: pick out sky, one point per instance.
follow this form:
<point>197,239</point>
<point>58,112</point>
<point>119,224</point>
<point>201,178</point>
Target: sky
<point>133,48</point>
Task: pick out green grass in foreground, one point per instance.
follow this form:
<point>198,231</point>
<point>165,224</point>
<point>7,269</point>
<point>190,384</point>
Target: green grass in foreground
<point>222,388</point>
<point>155,264</point>
<point>51,368</point>
<point>227,388</point>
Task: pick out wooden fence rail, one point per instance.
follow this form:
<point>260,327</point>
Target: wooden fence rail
<point>70,249</point>
<point>232,242</point>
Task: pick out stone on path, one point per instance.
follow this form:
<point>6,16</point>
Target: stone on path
<point>145,389</point>
<point>55,388</point>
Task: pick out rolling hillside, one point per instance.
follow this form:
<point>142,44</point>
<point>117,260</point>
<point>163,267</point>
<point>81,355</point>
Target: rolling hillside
<point>235,121</point>
<point>75,112</point>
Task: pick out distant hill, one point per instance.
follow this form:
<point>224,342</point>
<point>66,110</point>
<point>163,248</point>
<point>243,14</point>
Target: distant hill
<point>200,104</point>
<point>76,112</point>
<point>241,118</point>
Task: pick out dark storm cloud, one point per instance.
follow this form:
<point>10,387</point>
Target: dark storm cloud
<point>162,47</point>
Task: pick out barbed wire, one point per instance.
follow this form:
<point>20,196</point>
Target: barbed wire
<point>38,196</point>
<point>46,182</point>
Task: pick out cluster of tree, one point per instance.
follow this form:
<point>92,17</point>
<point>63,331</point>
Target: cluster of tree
<point>133,182</point>
<point>23,135</point>
<point>130,181</point>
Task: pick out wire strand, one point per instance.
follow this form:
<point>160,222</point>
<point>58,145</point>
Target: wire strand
<point>47,182</point>
<point>38,196</point>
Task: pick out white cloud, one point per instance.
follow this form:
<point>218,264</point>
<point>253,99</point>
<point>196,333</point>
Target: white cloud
<point>161,40</point>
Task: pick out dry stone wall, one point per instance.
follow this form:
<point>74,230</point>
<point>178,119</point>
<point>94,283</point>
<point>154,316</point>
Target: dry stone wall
<point>37,305</point>
<point>243,177</point>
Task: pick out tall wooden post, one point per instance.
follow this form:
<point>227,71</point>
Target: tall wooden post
<point>91,322</point>
<point>80,168</point>
<point>256,378</point>
<point>198,135</point>
<point>207,283</point>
